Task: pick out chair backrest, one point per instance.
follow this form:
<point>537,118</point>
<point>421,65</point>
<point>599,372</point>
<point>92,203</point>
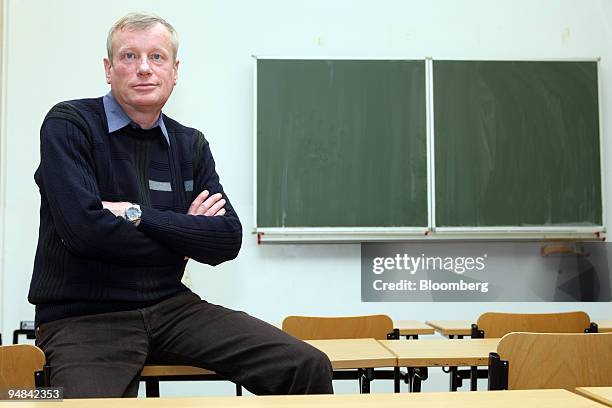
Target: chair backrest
<point>17,365</point>
<point>496,325</point>
<point>348,327</point>
<point>547,360</point>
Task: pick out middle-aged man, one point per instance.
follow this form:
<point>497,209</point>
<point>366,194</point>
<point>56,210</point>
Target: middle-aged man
<point>127,196</point>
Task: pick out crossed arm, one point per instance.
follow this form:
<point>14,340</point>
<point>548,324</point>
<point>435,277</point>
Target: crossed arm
<point>210,232</point>
<point>204,204</point>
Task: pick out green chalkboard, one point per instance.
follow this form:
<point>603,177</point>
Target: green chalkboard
<point>516,144</point>
<point>344,143</point>
<point>341,143</point>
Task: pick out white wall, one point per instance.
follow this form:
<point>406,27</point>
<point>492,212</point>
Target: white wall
<point>3,54</point>
<point>54,52</point>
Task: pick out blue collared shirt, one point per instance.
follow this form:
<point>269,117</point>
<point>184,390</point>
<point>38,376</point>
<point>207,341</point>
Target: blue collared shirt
<point>118,119</point>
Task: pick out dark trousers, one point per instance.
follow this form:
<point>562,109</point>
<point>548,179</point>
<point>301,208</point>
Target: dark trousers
<point>102,355</point>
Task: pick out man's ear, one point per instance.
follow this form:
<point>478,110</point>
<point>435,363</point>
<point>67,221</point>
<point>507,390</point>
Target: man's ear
<point>107,70</point>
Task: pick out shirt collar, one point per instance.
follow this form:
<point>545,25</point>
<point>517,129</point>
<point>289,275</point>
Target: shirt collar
<point>117,118</point>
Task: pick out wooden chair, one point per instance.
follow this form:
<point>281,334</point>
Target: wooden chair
<point>345,327</point>
<point>496,325</point>
<point>18,365</point>
<point>551,360</point>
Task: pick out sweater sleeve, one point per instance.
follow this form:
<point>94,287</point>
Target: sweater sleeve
<point>210,240</point>
<point>67,181</point>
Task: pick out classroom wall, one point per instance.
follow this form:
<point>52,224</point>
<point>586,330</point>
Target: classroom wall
<point>2,151</point>
<point>54,52</point>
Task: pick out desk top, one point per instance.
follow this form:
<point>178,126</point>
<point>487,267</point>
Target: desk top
<point>600,394</point>
<point>412,327</point>
<point>452,327</point>
<point>172,370</point>
<point>355,353</point>
<point>482,399</point>
<point>604,326</point>
<point>441,352</point>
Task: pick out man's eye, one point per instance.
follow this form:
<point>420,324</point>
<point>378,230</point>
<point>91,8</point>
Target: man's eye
<point>130,56</point>
<point>156,57</point>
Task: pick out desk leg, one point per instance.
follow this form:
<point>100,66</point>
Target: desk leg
<point>417,375</point>
<point>396,379</point>
<point>420,374</point>
<point>473,378</point>
<point>409,377</point>
<point>152,387</point>
<point>453,378</point>
<point>414,376</point>
<point>366,375</point>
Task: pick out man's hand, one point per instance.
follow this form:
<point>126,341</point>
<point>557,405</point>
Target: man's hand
<point>116,208</point>
<point>207,205</point>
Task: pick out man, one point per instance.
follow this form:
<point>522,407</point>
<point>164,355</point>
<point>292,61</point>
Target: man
<point>127,196</point>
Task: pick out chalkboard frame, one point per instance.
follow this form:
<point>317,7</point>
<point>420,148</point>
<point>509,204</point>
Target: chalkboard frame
<point>372,234</point>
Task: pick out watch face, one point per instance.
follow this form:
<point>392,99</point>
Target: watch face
<point>132,213</point>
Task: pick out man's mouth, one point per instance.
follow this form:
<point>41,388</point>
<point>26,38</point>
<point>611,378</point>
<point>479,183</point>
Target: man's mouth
<point>144,86</point>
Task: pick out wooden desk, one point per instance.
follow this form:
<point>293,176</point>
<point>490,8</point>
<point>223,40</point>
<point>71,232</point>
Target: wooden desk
<point>497,399</point>
<point>361,354</point>
<point>418,355</point>
<point>343,354</point>
<point>153,374</point>
<point>604,326</point>
<point>355,353</point>
<point>442,353</point>
<point>451,328</point>
<point>412,328</point>
<point>600,394</point>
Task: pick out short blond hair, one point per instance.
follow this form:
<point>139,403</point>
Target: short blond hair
<point>140,21</point>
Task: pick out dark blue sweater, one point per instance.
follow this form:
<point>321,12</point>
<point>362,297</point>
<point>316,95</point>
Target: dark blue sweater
<point>90,261</point>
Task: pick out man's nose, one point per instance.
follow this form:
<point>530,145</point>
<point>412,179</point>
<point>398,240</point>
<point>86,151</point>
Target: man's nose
<point>144,68</point>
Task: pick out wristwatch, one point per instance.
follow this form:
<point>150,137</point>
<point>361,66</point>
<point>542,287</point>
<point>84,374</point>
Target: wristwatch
<point>133,214</point>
